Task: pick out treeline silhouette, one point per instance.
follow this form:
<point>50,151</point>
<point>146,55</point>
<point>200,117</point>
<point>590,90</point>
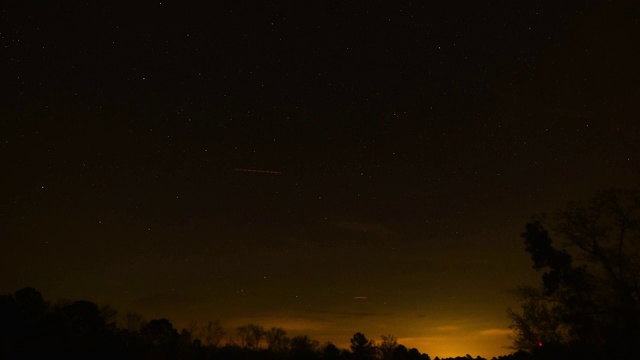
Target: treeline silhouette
<point>31,327</point>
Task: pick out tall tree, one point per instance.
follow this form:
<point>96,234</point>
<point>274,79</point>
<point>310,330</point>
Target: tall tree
<point>361,347</point>
<point>590,290</point>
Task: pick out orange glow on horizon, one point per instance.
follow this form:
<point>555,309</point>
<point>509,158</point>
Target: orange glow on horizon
<point>441,340</point>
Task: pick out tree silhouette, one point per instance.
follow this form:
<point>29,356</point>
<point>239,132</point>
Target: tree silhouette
<point>15,327</point>
<point>133,321</point>
<point>540,321</point>
<point>109,315</point>
<point>30,302</point>
<point>159,333</point>
<point>302,347</point>
<point>250,335</point>
<point>84,316</point>
<point>361,347</point>
<point>33,328</point>
<point>414,354</point>
<point>590,291</point>
<point>387,347</point>
<point>330,352</point>
<point>212,333</point>
<point>277,340</point>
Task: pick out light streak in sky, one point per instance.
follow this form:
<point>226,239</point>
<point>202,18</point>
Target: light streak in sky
<point>259,171</point>
<point>360,297</point>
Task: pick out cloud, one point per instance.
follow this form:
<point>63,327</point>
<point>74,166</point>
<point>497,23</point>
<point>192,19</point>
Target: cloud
<point>496,332</point>
<point>446,328</point>
<point>289,323</point>
<point>345,313</point>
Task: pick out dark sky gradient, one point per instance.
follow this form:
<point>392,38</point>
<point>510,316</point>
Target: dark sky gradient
<point>413,141</point>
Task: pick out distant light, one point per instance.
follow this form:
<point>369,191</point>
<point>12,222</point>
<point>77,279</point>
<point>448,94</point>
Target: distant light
<point>540,343</point>
<point>360,297</point>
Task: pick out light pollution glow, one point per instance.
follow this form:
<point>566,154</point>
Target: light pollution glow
<point>435,340</point>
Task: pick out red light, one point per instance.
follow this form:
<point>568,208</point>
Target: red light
<point>540,343</point>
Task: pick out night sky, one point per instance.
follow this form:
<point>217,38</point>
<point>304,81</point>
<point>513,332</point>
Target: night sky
<point>327,167</point>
